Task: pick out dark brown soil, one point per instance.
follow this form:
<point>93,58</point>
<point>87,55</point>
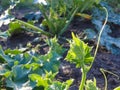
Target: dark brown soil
<point>104,58</point>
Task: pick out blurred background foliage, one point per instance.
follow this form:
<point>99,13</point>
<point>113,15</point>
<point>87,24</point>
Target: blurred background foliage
<point>115,4</point>
<point>4,4</point>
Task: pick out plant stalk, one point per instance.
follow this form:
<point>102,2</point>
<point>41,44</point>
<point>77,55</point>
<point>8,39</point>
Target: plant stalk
<point>81,87</point>
<point>99,36</point>
<point>71,18</point>
<point>106,19</point>
<point>34,28</point>
<point>104,78</point>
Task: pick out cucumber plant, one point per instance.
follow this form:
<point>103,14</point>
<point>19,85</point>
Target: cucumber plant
<point>80,54</point>
<point>30,70</point>
<point>58,14</point>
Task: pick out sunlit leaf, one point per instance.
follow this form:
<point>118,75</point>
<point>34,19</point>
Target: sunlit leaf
<point>91,85</point>
<point>60,85</point>
<point>79,52</point>
<point>117,88</point>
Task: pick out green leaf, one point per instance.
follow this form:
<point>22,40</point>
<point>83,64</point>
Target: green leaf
<point>90,85</point>
<point>15,27</point>
<point>19,86</point>
<point>20,73</point>
<point>56,86</point>
<point>60,85</point>
<point>79,52</point>
<point>6,58</point>
<point>117,88</point>
<point>51,61</point>
<point>54,22</point>
<point>18,77</point>
<point>48,83</point>
<point>34,66</point>
<point>55,46</point>
<point>4,35</point>
<point>59,17</point>
<point>7,73</point>
<point>40,81</point>
<point>68,83</point>
<point>12,52</point>
<point>15,57</point>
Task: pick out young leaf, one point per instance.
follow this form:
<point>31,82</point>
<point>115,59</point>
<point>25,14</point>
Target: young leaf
<point>14,27</point>
<point>117,88</point>
<point>91,85</point>
<point>56,85</point>
<point>55,46</point>
<point>40,81</point>
<point>79,52</point>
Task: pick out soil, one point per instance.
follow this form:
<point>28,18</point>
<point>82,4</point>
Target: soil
<point>104,58</point>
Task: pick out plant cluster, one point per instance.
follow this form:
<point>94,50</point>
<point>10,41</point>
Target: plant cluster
<point>29,70</point>
<point>32,71</point>
<point>58,14</point>
<point>5,3</point>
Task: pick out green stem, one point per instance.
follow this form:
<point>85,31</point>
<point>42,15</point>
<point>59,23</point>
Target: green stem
<point>103,72</point>
<point>71,18</point>
<point>34,28</point>
<point>81,87</point>
<point>99,36</point>
<point>106,19</point>
<point>105,78</point>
